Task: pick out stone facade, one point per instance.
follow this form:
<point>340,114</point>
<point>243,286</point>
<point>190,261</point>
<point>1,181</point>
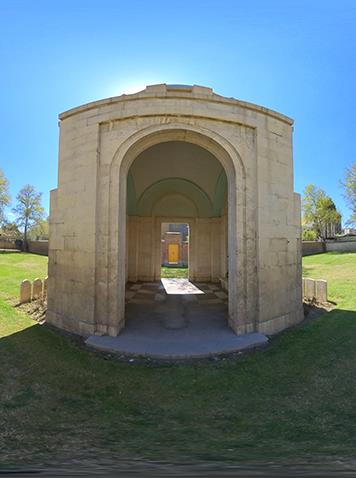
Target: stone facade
<point>237,197</point>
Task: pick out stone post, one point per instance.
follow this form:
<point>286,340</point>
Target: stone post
<point>309,291</point>
<point>25,291</point>
<point>321,290</point>
<point>37,289</point>
<point>45,288</point>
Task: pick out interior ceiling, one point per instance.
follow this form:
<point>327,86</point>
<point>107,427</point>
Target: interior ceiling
<point>184,169</point>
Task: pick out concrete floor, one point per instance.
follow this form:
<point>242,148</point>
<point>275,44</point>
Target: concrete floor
<point>176,319</point>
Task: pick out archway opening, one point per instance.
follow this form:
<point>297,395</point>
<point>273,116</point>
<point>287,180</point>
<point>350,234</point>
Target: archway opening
<point>177,215</point>
<point>174,250</point>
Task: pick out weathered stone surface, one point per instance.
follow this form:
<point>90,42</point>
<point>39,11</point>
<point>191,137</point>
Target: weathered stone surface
<point>321,290</point>
<point>45,288</point>
<point>37,289</point>
<point>244,226</point>
<point>25,291</point>
<point>309,288</point>
<point>159,298</point>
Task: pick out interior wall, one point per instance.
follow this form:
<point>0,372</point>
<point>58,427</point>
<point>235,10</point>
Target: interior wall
<point>176,182</point>
<point>207,248</point>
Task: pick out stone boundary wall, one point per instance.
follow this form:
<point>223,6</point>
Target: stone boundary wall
<point>317,247</point>
<point>38,247</point>
<point>312,247</point>
<point>7,243</point>
<point>341,246</point>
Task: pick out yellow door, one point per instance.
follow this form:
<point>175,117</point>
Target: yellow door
<point>173,253</point>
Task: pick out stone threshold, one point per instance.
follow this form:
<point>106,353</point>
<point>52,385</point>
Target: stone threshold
<point>175,348</point>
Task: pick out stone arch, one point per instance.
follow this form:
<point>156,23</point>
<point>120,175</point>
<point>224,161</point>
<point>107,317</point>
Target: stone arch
<point>181,186</point>
<point>230,159</point>
<point>184,202</point>
<point>219,195</point>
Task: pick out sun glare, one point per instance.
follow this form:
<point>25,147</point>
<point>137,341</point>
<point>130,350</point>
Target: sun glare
<point>131,88</point>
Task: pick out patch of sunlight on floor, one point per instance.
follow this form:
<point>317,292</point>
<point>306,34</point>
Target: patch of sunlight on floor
<point>180,286</point>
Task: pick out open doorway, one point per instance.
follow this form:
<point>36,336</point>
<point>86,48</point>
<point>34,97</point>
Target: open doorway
<point>174,250</point>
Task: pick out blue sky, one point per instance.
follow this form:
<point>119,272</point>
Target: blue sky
<point>297,57</point>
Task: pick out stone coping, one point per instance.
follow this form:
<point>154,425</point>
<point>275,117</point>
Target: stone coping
<point>162,91</point>
<point>174,348</point>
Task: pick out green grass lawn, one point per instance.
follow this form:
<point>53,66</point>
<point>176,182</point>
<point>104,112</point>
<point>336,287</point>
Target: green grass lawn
<point>17,266</point>
<point>339,269</point>
<point>293,401</point>
<point>174,272</point>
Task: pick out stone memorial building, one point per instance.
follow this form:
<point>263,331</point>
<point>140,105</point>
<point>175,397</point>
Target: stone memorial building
<point>174,154</point>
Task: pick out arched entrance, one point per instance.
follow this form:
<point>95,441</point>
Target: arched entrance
<point>172,182</point>
<point>228,158</point>
<point>100,141</point>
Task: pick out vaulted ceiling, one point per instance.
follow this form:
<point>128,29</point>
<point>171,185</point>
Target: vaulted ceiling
<point>176,179</point>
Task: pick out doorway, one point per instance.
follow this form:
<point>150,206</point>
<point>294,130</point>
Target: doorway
<point>174,250</point>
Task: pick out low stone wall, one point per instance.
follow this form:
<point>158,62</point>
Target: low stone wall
<point>312,247</point>
<point>7,243</point>
<point>317,247</point>
<point>341,246</point>
<point>38,247</point>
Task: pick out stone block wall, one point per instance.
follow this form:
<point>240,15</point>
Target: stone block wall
<point>7,243</point>
<point>38,247</point>
<point>312,247</point>
<point>88,257</point>
<point>340,246</point>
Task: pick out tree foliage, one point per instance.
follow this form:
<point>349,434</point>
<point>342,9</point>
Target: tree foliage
<point>319,211</point>
<point>349,185</point>
<point>10,229</point>
<point>308,235</point>
<point>39,230</point>
<point>28,210</point>
<point>4,195</point>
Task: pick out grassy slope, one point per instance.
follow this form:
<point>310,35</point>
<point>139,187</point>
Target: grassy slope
<point>339,269</point>
<point>174,272</point>
<point>295,399</point>
<point>16,267</point>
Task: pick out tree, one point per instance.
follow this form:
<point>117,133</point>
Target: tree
<point>4,195</point>
<point>10,229</point>
<point>28,210</point>
<point>349,185</point>
<point>319,212</point>
<point>39,230</point>
<point>308,235</point>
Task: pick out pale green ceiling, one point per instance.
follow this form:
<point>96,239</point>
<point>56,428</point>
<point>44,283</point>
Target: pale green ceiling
<point>144,205</point>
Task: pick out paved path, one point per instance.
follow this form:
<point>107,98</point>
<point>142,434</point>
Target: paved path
<point>178,324</point>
